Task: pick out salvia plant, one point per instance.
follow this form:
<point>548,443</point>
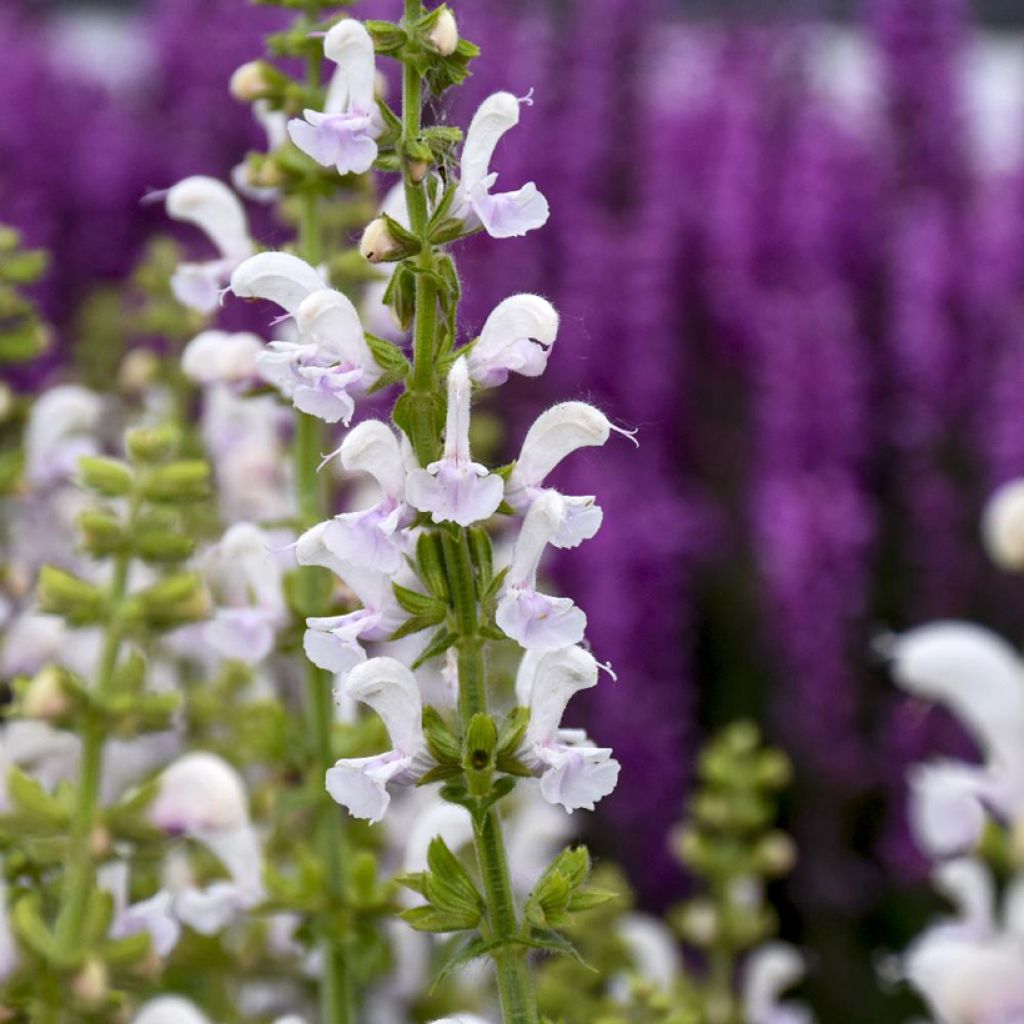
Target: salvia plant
<point>231,540</point>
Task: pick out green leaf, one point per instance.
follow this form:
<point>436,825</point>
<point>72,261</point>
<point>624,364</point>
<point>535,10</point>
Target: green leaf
<point>32,799</point>
<point>440,642</point>
<point>430,565</point>
<point>28,925</point>
<point>441,742</point>
<point>555,943</point>
<point>465,954</point>
<point>430,919</point>
<point>448,885</point>
<point>420,604</point>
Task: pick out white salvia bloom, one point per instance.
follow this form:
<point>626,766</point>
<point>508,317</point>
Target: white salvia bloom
<point>769,971</point>
<point>572,771</point>
<point>335,643</point>
<point>344,134</point>
<point>653,948</point>
<point>360,784</point>
<point>455,488</point>
<point>274,124</point>
<point>169,1010</point>
<point>506,214</point>
<point>154,916</point>
<point>536,621</point>
<point>948,806</point>
<point>213,208</point>
<point>377,242</point>
<point>516,338</point>
<point>976,674</point>
<point>372,538</point>
<point>197,794</point>
<point>555,434</point>
<point>246,581</point>
<point>60,430</point>
<point>1002,526</point>
<point>221,357</point>
<point>331,364</point>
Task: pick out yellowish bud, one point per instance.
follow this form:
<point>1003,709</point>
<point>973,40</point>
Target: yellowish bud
<point>138,370</point>
<point>92,984</point>
<point>1002,526</point>
<point>249,82</point>
<point>377,242</point>
<point>45,698</point>
<point>444,36</point>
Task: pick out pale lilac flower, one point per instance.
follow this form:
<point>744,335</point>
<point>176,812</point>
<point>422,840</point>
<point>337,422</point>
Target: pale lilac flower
<point>331,364</point>
<point>653,949</point>
<point>221,357</point>
<point>169,1010</point>
<point>360,784</point>
<point>372,538</point>
<point>506,214</point>
<point>455,488</point>
<point>572,771</point>
<point>212,207</point>
<point>61,429</point>
<point>344,134</point>
<point>949,802</point>
<point>555,434</point>
<point>274,123</point>
<point>537,621</point>
<point>334,643</point>
<point>968,969</point>
<point>516,338</point>
<point>155,916</point>
<point>768,972</point>
<point>246,582</point>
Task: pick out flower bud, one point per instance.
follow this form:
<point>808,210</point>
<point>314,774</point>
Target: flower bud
<point>417,170</point>
<point>199,792</point>
<point>249,82</point>
<point>775,854</point>
<point>6,402</point>
<point>1002,526</point>
<point>91,984</point>
<point>444,36</point>
<point>377,243</point>
<point>109,477</point>
<point>45,697</point>
<point>698,921</point>
<point>101,842</point>
<point>138,370</point>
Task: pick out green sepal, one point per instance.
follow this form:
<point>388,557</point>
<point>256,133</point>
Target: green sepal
<point>127,951</point>
<point>589,899</point>
<point>62,593</point>
<point>110,477</point>
<point>416,881</point>
<point>388,357</point>
<point>178,483</point>
<point>448,885</point>
<point>400,295</point>
<point>480,743</point>
<point>407,244</point>
<point>388,38</point>
<point>151,445</point>
<point>33,802</point>
<point>440,642</point>
<point>30,928</point>
<point>448,230</point>
<point>439,773</point>
<point>417,623</point>
<point>553,942</point>
<point>465,954</point>
<point>420,604</point>
<point>513,729</point>
<point>100,531</point>
<point>441,742</point>
<point>430,919</point>
<point>173,601</point>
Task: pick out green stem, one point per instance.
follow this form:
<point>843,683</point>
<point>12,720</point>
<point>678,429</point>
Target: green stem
<point>515,986</point>
<point>79,878</point>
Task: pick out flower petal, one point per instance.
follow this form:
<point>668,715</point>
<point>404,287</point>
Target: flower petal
<point>213,208</point>
<point>390,688</point>
<point>577,777</point>
<point>556,433</point>
<point>539,622</point>
<point>277,277</point>
<point>360,784</point>
<point>371,447</point>
<point>350,46</point>
<point>516,336</point>
<point>509,214</point>
<point>495,116</point>
<point>328,318</point>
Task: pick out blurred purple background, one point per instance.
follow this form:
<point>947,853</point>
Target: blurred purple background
<point>792,255</point>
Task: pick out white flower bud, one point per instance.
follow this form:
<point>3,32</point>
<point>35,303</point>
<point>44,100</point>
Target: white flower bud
<point>444,36</point>
<point>199,793</point>
<point>249,82</point>
<point>377,242</point>
<point>45,698</point>
<point>1002,526</point>
<point>138,370</point>
<point>169,1010</point>
<point>92,983</point>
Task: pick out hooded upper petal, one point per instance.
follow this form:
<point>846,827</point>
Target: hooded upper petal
<point>495,116</point>
<point>277,277</point>
<point>221,357</point>
<point>974,672</point>
<point>516,338</point>
<point>556,433</point>
<point>329,319</point>
<point>350,46</point>
<point>200,792</point>
<point>213,208</point>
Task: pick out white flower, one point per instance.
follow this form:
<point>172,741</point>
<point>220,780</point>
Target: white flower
<point>360,784</point>
<point>371,538</point>
<point>768,972</point>
<point>536,621</point>
<point>506,214</point>
<point>555,434</point>
<point>221,357</point>
<point>516,338</point>
<point>948,806</point>
<point>169,1010</point>
<point>61,429</point>
<point>455,488</point>
<point>200,793</point>
<point>1002,526</point>
<point>213,208</point>
<point>344,134</point>
<point>653,949</point>
<point>331,364</point>
<point>572,771</point>
<point>247,585</point>
<point>154,916</point>
<point>335,643</point>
